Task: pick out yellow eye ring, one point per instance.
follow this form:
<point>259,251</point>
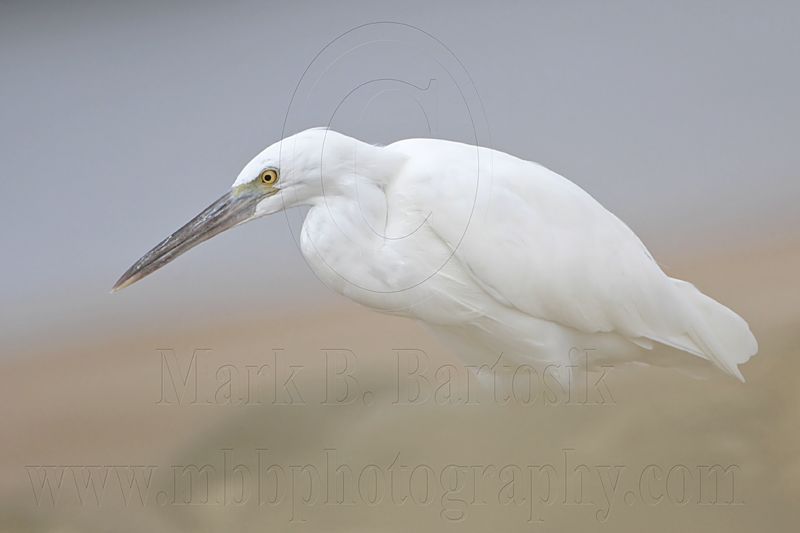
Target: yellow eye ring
<point>268,176</point>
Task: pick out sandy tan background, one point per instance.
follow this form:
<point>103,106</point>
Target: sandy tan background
<point>106,405</point>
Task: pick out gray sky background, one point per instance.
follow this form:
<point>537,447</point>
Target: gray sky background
<point>119,121</point>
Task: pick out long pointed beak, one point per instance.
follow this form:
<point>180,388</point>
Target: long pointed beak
<point>229,210</point>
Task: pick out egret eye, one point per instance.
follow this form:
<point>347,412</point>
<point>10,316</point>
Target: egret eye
<point>268,176</point>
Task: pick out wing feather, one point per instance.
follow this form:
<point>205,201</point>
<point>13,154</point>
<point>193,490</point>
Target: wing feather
<point>539,243</point>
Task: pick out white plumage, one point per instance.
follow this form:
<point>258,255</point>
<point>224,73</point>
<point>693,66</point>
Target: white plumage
<point>496,252</point>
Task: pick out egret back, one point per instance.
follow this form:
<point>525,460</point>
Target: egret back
<point>537,243</point>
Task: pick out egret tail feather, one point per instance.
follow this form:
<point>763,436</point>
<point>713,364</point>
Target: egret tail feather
<point>716,333</point>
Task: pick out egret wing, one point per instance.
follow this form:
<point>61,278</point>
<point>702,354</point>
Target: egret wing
<point>539,243</point>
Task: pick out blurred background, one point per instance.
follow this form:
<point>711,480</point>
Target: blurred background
<point>120,121</point>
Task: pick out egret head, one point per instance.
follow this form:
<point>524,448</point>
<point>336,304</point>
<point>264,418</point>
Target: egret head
<point>298,170</point>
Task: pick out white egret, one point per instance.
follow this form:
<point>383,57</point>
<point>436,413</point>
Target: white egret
<point>496,252</point>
